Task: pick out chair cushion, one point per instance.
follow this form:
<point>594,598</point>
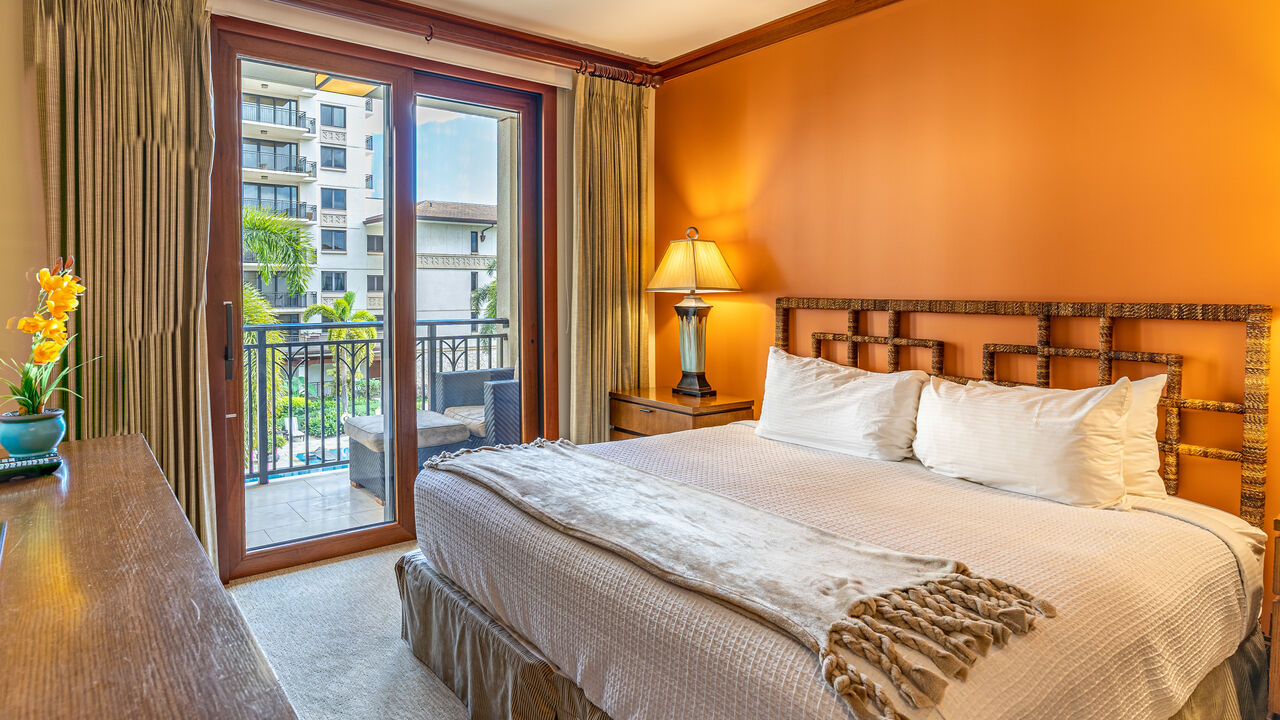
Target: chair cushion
<point>433,429</point>
<point>470,415</point>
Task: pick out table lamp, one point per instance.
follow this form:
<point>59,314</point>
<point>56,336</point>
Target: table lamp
<point>693,266</point>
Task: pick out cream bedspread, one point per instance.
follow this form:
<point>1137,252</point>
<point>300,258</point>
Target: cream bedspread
<point>1148,602</point>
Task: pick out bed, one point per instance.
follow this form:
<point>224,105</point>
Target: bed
<point>1157,607</point>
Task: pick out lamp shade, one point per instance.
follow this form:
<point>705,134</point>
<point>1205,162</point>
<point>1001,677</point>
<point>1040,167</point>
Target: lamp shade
<point>690,266</point>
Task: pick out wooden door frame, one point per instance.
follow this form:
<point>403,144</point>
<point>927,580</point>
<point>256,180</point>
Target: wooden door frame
<point>233,38</point>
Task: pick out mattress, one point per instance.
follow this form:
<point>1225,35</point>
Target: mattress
<point>1149,600</point>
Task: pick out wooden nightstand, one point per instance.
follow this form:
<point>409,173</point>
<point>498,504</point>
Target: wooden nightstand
<point>653,411</point>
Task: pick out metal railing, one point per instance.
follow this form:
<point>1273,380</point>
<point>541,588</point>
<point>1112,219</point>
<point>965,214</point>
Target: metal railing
<point>297,391</point>
<point>289,208</point>
<point>278,162</point>
<point>368,142</point>
<point>368,104</point>
<point>368,180</point>
<point>257,112</point>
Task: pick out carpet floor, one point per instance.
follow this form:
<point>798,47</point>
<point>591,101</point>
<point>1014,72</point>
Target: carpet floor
<point>331,630</point>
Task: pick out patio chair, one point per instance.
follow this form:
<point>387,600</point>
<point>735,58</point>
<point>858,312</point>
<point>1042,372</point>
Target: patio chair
<point>436,434</point>
<point>486,401</point>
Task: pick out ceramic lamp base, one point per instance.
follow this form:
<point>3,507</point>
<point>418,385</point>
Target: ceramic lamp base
<point>693,311</point>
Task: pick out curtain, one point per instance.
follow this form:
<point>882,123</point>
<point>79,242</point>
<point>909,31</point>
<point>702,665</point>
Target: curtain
<point>127,146</point>
<point>612,250</point>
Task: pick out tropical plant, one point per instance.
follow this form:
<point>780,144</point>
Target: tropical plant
<point>356,354</point>
<point>257,311</point>
<point>281,245</point>
<point>60,291</point>
<point>484,299</point>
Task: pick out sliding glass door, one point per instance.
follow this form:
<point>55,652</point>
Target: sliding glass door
<point>374,297</point>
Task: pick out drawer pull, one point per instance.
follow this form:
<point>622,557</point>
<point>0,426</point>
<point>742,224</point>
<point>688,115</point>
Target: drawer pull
<point>646,410</point>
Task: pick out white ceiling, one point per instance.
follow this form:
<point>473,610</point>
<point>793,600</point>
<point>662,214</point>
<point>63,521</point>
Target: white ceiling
<point>653,30</point>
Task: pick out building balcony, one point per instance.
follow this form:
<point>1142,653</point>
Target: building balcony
<point>368,104</point>
<point>368,142</point>
<point>276,167</point>
<point>368,181</point>
<point>289,301</point>
<point>288,208</point>
<point>275,122</point>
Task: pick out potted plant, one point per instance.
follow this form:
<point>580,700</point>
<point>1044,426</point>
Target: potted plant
<point>34,429</point>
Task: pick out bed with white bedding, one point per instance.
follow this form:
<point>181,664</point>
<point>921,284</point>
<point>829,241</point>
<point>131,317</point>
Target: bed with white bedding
<point>1149,600</point>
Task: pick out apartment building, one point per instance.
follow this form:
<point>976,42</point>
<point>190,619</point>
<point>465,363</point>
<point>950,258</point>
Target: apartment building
<point>317,156</point>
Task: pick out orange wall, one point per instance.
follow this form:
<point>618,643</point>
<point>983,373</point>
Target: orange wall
<point>1023,150</point>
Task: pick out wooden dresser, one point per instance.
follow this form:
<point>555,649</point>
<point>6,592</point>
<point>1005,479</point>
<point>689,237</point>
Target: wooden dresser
<point>109,607</point>
<point>653,411</point>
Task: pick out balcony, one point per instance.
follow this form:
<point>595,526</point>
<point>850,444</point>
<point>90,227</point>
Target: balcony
<point>297,391</point>
<point>288,208</point>
<point>275,122</point>
<point>276,167</point>
<point>368,104</point>
<point>368,142</point>
<point>368,181</point>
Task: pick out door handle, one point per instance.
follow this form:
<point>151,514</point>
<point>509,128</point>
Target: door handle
<point>646,410</point>
<point>226,350</point>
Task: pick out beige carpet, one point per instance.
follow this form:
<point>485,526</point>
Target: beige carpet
<point>332,632</point>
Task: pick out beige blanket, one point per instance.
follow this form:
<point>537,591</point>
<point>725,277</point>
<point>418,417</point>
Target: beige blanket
<point>839,597</point>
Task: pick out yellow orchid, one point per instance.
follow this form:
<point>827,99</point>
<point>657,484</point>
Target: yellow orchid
<point>38,376</point>
<point>46,352</point>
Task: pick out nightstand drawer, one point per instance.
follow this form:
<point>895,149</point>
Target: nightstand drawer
<point>642,420</point>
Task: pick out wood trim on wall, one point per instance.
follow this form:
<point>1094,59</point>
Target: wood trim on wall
<point>435,25</point>
<point>797,23</point>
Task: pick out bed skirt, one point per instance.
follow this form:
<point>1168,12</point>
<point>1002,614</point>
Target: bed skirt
<point>499,676</point>
<point>496,675</point>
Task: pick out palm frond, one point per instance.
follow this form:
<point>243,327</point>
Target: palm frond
<point>282,245</point>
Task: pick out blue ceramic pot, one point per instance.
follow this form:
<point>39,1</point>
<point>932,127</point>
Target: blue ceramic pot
<point>28,435</point>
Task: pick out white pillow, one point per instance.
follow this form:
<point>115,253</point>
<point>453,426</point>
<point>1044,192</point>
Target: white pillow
<point>819,404</point>
<point>1141,453</point>
<point>1063,445</point>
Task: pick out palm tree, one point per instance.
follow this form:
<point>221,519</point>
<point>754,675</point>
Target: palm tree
<point>484,299</point>
<point>257,311</point>
<point>342,311</point>
<point>280,244</point>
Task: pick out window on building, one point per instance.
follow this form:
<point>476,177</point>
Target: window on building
<point>475,242</point>
<point>374,243</point>
<point>267,109</point>
<point>334,158</point>
<point>375,283</point>
<point>475,285</point>
<point>333,281</point>
<point>333,240</point>
<point>333,198</point>
<point>333,116</point>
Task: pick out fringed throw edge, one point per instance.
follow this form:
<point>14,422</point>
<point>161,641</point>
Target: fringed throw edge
<point>952,621</point>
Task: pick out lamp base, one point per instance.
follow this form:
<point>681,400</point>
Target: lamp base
<point>692,312</point>
<point>695,384</point>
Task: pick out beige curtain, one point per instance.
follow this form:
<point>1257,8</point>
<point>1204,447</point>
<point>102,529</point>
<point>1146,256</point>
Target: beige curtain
<point>127,146</point>
<point>612,246</point>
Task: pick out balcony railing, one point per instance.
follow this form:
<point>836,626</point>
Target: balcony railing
<point>288,208</point>
<point>297,391</point>
<point>278,162</point>
<point>255,112</point>
<point>368,180</point>
<point>368,104</point>
<point>286,299</point>
<point>368,142</point>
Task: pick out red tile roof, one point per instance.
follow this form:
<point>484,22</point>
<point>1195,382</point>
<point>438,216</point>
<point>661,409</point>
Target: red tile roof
<point>450,212</point>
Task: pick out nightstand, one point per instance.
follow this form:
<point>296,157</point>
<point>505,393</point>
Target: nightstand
<point>653,411</point>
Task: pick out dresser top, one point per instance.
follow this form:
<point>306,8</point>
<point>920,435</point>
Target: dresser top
<point>109,607</point>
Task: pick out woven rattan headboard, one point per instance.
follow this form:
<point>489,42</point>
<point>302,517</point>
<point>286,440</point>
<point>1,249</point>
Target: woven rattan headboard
<point>1257,358</point>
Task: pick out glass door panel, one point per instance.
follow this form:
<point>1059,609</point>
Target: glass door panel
<point>467,273</point>
<point>317,444</point>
